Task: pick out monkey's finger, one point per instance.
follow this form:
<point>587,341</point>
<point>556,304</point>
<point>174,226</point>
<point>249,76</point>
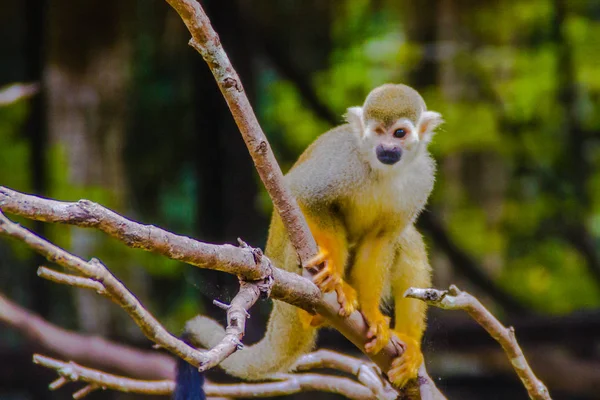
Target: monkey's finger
<point>317,260</point>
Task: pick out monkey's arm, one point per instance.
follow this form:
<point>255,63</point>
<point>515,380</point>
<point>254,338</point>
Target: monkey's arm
<point>410,268</point>
<point>330,234</point>
<point>370,274</point>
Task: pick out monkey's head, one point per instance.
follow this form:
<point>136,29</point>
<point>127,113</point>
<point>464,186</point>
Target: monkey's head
<point>393,125</point>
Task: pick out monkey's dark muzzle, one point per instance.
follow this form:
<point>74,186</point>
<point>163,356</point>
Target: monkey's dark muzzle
<point>387,155</point>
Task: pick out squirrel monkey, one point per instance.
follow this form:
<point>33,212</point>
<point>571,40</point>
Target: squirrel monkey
<point>360,186</point>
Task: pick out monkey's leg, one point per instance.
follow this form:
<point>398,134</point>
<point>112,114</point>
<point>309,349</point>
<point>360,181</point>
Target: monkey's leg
<point>369,273</point>
<point>410,268</point>
<point>333,252</point>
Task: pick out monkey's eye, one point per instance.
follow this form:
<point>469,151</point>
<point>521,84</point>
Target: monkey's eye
<point>399,133</point>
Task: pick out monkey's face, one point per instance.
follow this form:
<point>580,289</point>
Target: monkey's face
<point>390,145</point>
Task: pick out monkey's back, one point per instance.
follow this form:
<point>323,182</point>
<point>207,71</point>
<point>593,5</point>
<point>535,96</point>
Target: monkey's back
<point>328,169</point>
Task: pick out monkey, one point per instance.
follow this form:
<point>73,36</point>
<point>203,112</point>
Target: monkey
<point>361,187</point>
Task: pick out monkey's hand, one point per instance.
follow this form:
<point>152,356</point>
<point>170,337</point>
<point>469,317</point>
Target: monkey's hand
<point>329,279</point>
<point>405,367</point>
<point>379,331</point>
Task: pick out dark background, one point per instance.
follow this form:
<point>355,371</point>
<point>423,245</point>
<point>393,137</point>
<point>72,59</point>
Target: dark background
<point>130,116</point>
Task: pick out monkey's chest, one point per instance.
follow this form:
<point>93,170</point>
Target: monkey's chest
<point>378,210</point>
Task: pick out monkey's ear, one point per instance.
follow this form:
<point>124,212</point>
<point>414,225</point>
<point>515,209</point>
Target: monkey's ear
<point>427,124</point>
<point>354,117</point>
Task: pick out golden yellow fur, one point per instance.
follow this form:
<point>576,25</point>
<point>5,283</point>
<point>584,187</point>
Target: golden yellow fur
<point>361,212</point>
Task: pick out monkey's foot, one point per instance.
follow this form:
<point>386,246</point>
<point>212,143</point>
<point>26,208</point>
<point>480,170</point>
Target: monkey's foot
<point>378,334</point>
<point>327,279</point>
<point>405,367</point>
<point>347,299</point>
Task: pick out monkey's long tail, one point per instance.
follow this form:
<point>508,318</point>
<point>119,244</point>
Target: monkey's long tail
<point>286,339</point>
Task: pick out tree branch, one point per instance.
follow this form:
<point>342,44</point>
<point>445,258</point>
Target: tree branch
<point>237,312</point>
<point>286,385</point>
<point>455,299</point>
<point>241,261</point>
<point>86,349</point>
<point>206,41</point>
<point>96,271</point>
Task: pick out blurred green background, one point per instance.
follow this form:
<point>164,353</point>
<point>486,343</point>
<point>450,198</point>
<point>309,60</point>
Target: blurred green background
<point>129,116</point>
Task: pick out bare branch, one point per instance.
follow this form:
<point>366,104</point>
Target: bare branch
<point>18,91</point>
<point>289,383</point>
<point>74,372</point>
<point>117,291</point>
<point>366,372</point>
<point>243,261</point>
<point>296,383</point>
<point>71,280</point>
<point>237,313</point>
<point>455,299</point>
<point>84,213</point>
<point>206,41</point>
<point>91,350</point>
<point>287,286</point>
<point>427,388</point>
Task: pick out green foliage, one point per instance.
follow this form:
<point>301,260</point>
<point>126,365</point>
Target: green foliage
<point>506,69</point>
<point>15,156</point>
<point>552,277</point>
<point>14,146</point>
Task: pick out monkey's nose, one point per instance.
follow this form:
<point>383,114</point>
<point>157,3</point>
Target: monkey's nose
<point>387,155</point>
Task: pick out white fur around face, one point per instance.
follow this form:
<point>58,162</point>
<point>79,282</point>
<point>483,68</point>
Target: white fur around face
<point>400,190</point>
<point>428,122</point>
<point>413,146</point>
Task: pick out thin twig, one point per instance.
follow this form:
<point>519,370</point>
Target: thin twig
<point>237,313</point>
<point>366,372</point>
<point>95,270</point>
<point>71,280</point>
<point>288,383</point>
<point>74,372</point>
<point>455,299</point>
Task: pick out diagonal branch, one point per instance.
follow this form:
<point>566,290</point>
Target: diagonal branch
<point>455,299</point>
<point>96,271</point>
<point>87,349</point>
<point>206,41</point>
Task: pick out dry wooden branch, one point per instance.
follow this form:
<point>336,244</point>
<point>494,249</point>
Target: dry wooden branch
<point>237,313</point>
<point>366,372</point>
<point>288,383</point>
<point>114,289</point>
<point>97,277</point>
<point>455,299</point>
<point>287,286</point>
<point>71,280</point>
<point>70,371</point>
<point>206,41</point>
<point>91,350</point>
<point>245,261</point>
